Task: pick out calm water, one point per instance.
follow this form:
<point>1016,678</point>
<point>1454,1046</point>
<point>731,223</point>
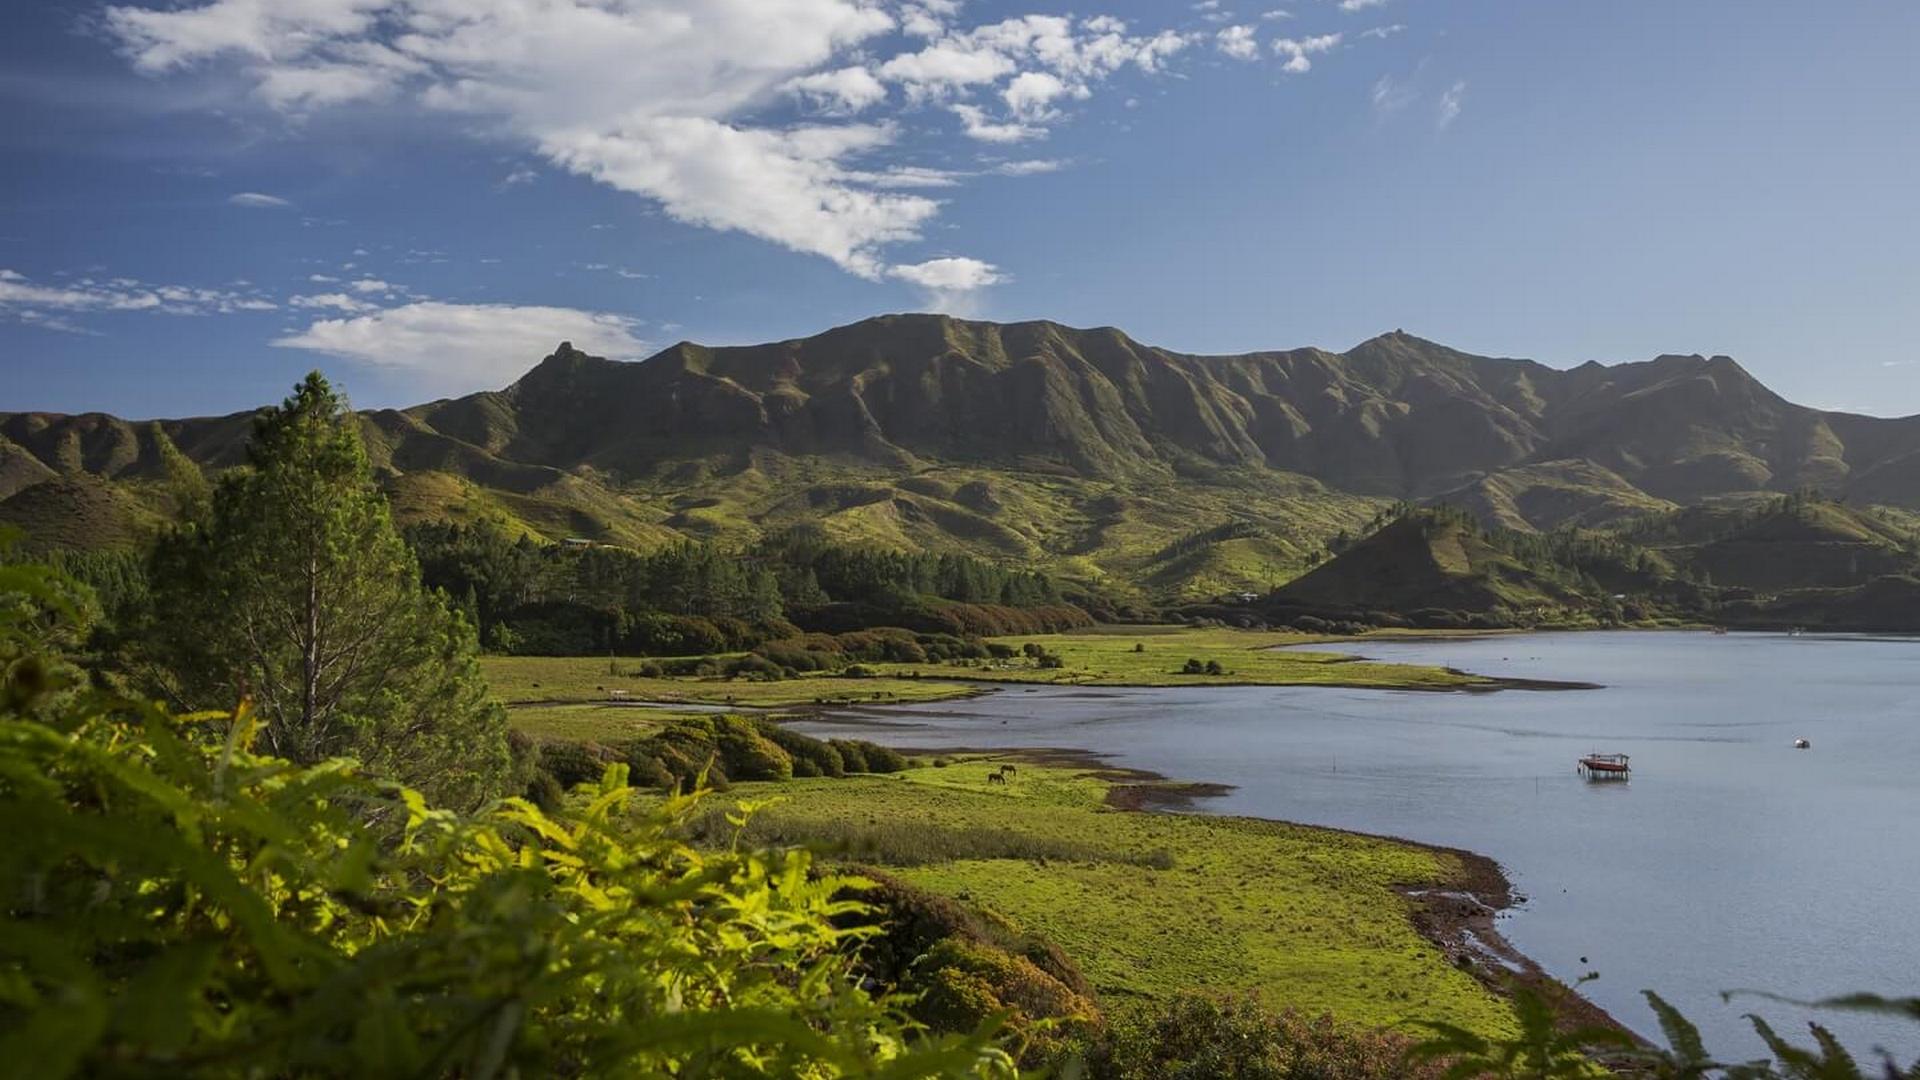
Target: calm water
<point>1730,860</point>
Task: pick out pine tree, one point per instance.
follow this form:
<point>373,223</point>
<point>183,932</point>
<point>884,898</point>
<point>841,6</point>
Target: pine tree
<point>297,592</point>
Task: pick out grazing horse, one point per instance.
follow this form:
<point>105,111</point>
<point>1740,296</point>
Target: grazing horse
<point>1008,769</point>
<point>996,778</point>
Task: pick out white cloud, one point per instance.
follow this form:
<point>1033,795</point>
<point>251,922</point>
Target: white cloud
<point>1042,59</point>
<point>1028,167</point>
<point>848,90</point>
<point>322,279</point>
<point>1238,42</point>
<point>1383,32</point>
<point>662,98</point>
<point>791,187</point>
<point>22,299</point>
<point>951,284</point>
<point>927,18</point>
<point>1276,14</point>
<point>254,200</point>
<point>1031,94</point>
<point>1451,103</point>
<point>1297,51</point>
<point>975,122</point>
<point>372,285</point>
<point>950,273</point>
<point>461,347</point>
<point>519,176</point>
<point>330,301</point>
<point>1360,5</point>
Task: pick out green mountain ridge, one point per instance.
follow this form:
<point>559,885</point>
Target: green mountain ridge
<point>1080,449</point>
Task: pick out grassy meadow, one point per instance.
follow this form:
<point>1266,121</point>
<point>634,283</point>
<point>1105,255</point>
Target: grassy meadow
<point>1149,904</point>
<point>1156,655</point>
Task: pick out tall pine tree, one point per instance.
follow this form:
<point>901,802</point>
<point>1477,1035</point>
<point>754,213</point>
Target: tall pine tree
<point>295,590</point>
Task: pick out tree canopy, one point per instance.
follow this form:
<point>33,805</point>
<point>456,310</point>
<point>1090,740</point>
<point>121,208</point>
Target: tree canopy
<point>296,592</point>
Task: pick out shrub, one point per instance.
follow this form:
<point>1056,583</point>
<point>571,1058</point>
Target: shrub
<point>545,792</point>
<point>1193,667</point>
<point>1199,1038</point>
<point>883,759</point>
<point>757,667</point>
<point>969,967</point>
<point>853,754</point>
<point>811,756</point>
<point>1214,668</point>
<point>571,763</point>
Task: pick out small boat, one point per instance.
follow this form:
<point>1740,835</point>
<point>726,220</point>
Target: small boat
<point>1604,766</point>
<point>1802,744</point>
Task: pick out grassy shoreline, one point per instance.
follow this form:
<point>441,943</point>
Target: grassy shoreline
<point>1150,904</point>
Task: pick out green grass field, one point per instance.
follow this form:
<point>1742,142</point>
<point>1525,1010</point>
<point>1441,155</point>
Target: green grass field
<point>1155,655</point>
<point>1149,904</point>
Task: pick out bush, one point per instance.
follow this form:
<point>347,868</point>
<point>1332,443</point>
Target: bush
<point>1200,1038</point>
<point>969,967</point>
<point>883,759</point>
<point>571,763</point>
<point>811,756</point>
<point>757,667</point>
<point>1214,668</point>
<point>853,754</point>
<point>1193,667</point>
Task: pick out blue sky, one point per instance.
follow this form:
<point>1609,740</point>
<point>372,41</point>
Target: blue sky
<point>200,200</point>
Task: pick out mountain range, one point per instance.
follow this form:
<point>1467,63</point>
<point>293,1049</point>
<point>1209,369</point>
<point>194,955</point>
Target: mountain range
<point>1084,450</point>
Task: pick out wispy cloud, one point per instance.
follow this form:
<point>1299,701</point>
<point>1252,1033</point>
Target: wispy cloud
<point>24,300</point>
<point>329,302</point>
<point>1360,5</point>
<point>1451,102</point>
<point>254,200</point>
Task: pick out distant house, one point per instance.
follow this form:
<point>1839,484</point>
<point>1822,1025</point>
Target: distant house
<point>577,542</point>
<point>1247,597</point>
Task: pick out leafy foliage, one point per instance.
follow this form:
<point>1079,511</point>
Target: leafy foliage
<point>1544,1049</point>
<point>175,903</point>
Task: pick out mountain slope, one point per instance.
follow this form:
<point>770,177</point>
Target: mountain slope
<point>1083,449</point>
<point>1428,561</point>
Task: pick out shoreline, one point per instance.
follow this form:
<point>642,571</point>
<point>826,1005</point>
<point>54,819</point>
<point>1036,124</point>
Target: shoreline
<point>1457,916</point>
